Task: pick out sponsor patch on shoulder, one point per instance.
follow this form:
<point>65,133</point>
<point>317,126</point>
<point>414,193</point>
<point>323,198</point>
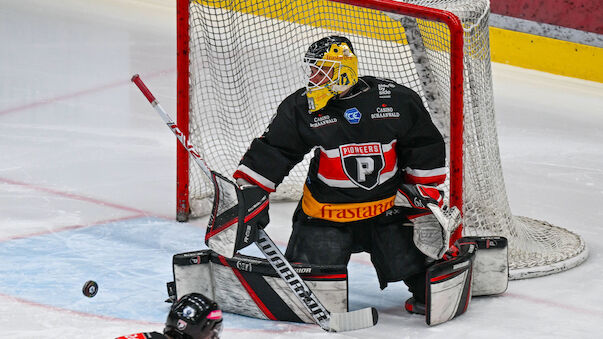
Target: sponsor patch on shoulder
<point>385,90</point>
<point>385,112</point>
<point>322,120</point>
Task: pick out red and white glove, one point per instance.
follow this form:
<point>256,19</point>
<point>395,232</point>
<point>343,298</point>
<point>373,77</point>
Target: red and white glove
<point>418,196</point>
<point>433,224</point>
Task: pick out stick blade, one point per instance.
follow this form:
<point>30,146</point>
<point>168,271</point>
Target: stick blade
<point>354,320</point>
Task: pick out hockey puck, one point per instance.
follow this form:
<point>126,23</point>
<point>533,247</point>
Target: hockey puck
<point>90,288</point>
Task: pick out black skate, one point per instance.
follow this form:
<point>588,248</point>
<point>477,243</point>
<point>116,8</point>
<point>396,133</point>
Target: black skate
<point>413,306</point>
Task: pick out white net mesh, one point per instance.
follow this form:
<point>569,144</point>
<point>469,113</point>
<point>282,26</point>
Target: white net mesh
<point>245,59</point>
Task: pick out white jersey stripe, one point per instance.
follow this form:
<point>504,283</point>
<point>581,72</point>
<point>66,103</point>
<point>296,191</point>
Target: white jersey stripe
<point>426,173</point>
<point>350,184</point>
<point>257,177</point>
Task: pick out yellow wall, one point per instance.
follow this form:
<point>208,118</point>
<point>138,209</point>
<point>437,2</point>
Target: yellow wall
<point>546,54</point>
<point>509,47</point>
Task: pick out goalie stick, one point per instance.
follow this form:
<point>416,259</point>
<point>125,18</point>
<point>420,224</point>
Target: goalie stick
<point>328,321</point>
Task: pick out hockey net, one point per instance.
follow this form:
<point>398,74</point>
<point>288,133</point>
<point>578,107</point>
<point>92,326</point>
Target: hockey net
<point>237,60</point>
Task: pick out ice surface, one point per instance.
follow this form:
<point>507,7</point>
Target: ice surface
<point>87,187</point>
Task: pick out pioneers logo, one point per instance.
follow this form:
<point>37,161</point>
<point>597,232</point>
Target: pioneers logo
<point>181,325</point>
<point>362,163</point>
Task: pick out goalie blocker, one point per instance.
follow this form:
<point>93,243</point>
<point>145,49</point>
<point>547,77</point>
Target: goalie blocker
<point>236,215</point>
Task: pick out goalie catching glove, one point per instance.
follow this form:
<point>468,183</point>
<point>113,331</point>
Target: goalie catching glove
<point>433,224</point>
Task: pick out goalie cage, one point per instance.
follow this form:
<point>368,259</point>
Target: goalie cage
<point>238,59</point>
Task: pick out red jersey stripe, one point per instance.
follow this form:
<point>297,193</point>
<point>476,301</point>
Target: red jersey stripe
<point>433,180</point>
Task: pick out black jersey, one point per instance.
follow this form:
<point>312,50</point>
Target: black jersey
<point>365,145</point>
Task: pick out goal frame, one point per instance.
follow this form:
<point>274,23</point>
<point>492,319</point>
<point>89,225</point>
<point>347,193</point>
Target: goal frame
<point>441,51</point>
<point>456,93</point>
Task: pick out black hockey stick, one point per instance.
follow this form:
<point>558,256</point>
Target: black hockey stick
<point>328,321</point>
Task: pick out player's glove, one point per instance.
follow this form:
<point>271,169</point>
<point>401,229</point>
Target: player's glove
<point>253,212</point>
<point>255,203</point>
<point>432,224</point>
<point>418,196</point>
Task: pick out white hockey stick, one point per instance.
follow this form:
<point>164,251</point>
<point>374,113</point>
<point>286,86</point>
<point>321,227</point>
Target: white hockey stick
<point>328,321</point>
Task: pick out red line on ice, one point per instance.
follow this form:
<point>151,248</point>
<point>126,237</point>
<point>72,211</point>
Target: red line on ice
<point>83,314</point>
<point>555,304</point>
<point>283,328</point>
<point>72,196</point>
<point>138,213</point>
<point>67,96</point>
<point>65,228</point>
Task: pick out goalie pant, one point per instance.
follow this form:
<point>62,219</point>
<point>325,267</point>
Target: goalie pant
<point>366,144</point>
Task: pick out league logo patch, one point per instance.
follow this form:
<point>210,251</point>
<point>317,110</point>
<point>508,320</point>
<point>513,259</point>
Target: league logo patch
<point>352,115</point>
<point>188,312</point>
<point>181,325</point>
<point>363,163</point>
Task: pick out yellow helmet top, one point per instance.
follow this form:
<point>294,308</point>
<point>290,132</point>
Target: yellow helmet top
<point>333,69</point>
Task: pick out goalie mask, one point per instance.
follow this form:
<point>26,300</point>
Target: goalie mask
<point>194,316</point>
<point>332,69</point>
